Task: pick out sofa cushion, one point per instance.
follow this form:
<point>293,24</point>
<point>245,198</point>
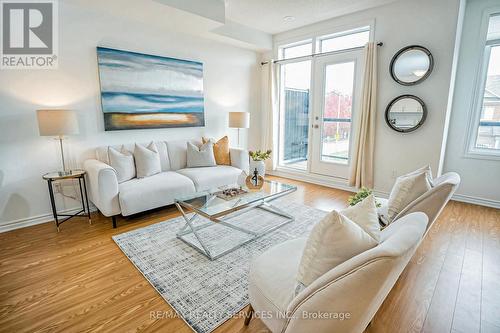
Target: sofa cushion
<point>207,178</point>
<point>177,153</point>
<point>221,150</point>
<point>147,160</point>
<point>202,156</point>
<point>123,162</point>
<point>272,279</point>
<point>103,156</point>
<point>140,194</point>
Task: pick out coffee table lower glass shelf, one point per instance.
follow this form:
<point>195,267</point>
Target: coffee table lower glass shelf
<point>219,225</point>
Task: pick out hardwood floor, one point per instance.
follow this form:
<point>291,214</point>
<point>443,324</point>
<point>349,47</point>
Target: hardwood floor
<point>78,279</point>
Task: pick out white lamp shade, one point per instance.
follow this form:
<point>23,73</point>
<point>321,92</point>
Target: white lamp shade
<point>57,122</point>
<point>239,119</point>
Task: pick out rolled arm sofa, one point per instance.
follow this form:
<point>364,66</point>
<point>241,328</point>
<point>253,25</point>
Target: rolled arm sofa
<point>175,179</point>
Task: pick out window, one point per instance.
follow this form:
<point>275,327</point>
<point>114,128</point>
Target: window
<point>344,40</point>
<point>486,137</point>
<point>301,115</point>
<point>296,50</point>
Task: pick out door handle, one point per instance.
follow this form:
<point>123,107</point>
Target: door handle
<point>315,126</point>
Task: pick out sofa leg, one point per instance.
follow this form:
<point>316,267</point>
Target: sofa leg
<point>113,218</point>
<point>249,315</point>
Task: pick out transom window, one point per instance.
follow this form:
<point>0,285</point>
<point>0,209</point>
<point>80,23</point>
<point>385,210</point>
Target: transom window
<point>344,40</point>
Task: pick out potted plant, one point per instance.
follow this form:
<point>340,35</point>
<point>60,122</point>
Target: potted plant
<point>257,159</point>
<point>358,197</point>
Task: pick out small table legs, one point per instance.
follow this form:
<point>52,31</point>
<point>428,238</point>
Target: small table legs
<point>85,202</point>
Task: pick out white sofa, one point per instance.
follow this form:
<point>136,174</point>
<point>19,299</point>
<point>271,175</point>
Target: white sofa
<point>355,288</point>
<point>175,180</point>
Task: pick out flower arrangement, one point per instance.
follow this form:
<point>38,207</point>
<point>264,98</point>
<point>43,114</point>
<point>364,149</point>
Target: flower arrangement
<point>358,197</point>
<point>260,155</point>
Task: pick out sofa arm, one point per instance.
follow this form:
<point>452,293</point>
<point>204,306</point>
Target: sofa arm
<point>240,158</point>
<point>103,185</point>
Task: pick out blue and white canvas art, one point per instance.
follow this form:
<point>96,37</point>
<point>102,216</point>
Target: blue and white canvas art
<point>141,91</point>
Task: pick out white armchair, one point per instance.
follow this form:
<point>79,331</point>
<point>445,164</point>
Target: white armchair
<point>347,297</point>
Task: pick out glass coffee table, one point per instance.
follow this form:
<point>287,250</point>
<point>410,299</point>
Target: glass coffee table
<point>221,223</point>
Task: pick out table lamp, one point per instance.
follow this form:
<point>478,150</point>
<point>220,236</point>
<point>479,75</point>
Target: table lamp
<point>58,123</point>
<point>239,120</point>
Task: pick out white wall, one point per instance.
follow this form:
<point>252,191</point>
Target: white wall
<point>428,23</point>
<point>231,83</point>
<point>480,177</point>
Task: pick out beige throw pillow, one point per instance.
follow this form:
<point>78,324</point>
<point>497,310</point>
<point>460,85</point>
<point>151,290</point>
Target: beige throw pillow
<point>200,157</point>
<point>365,215</point>
<point>407,189</point>
<point>221,150</point>
<point>123,163</point>
<point>332,241</point>
<point>147,160</point>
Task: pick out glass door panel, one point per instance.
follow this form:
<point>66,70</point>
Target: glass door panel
<point>337,111</point>
<point>294,114</point>
<point>337,83</point>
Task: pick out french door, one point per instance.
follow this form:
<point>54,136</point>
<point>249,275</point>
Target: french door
<point>336,103</point>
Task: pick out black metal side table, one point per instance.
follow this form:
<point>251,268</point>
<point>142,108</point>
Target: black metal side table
<point>75,174</point>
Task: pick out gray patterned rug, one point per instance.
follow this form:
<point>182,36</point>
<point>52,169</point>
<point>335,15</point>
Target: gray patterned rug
<point>206,293</point>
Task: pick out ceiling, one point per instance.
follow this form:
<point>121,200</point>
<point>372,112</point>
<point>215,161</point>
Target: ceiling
<point>244,23</point>
<point>267,15</point>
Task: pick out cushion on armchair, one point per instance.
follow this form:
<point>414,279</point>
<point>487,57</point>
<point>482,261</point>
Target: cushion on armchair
<point>407,189</point>
<point>337,238</point>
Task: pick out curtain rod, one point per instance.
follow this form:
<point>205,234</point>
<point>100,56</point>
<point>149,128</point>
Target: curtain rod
<point>319,54</point>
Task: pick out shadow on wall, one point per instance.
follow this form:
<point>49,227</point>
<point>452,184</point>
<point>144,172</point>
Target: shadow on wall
<point>18,127</point>
<point>15,204</point>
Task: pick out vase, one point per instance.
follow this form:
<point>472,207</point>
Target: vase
<point>259,165</point>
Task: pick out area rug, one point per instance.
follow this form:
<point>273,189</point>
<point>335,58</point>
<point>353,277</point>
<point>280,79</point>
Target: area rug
<point>206,293</point>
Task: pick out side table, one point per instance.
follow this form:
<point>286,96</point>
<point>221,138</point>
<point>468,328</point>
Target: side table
<point>75,174</point>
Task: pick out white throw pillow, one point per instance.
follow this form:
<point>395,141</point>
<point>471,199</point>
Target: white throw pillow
<point>200,157</point>
<point>365,215</point>
<point>123,163</point>
<point>407,189</point>
<point>147,160</point>
<point>332,241</point>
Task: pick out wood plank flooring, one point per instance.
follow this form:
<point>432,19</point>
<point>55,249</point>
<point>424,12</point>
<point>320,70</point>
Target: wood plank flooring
<point>78,280</point>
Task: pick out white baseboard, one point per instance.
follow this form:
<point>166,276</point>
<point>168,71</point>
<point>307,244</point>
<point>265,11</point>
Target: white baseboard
<point>334,182</point>
<point>476,200</point>
<point>34,220</point>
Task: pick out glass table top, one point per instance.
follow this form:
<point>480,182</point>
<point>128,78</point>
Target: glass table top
<point>57,175</point>
<point>214,202</point>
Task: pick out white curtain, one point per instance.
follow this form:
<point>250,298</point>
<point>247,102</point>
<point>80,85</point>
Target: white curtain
<point>269,137</point>
<point>361,172</point>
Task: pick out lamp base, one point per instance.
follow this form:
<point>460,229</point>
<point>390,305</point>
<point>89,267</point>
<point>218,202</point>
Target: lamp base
<point>65,173</point>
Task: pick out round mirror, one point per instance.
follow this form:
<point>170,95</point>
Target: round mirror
<point>411,65</point>
<point>405,113</point>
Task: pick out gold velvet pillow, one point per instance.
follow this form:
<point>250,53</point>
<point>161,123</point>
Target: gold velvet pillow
<point>221,150</point>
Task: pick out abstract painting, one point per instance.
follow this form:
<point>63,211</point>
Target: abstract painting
<point>140,91</point>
